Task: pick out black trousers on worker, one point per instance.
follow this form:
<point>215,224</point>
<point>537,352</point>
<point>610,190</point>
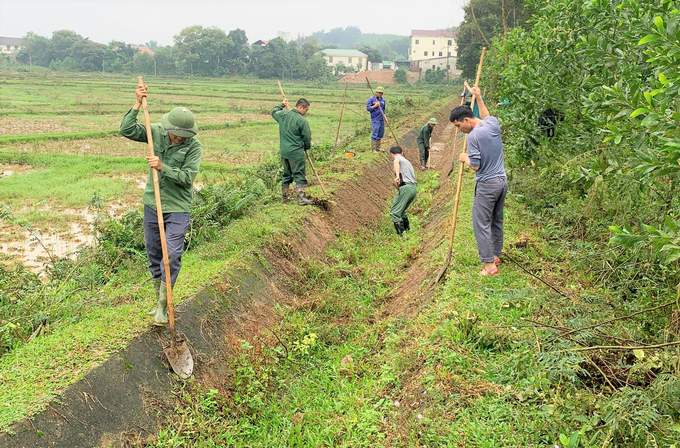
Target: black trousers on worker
<point>176,225</point>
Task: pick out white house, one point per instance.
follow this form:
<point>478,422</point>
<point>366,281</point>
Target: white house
<point>10,45</point>
<point>432,49</point>
<point>354,58</point>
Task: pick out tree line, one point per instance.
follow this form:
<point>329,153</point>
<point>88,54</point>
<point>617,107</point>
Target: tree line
<point>197,51</point>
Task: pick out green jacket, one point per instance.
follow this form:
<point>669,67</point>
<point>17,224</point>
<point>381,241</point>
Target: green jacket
<point>180,165</point>
<point>294,133</point>
<point>424,136</point>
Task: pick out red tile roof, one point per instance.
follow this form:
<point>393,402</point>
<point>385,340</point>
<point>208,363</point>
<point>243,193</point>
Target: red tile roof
<point>143,49</point>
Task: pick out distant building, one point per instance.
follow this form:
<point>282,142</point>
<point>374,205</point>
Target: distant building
<point>353,58</point>
<point>10,45</point>
<point>139,48</point>
<point>401,62</point>
<point>143,49</point>
<point>432,49</point>
<point>261,43</point>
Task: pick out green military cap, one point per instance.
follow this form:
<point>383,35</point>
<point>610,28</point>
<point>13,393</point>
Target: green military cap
<point>180,122</point>
<point>432,121</point>
<point>379,89</point>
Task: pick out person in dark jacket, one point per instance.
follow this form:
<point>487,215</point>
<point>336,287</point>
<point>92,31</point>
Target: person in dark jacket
<point>295,138</point>
<point>423,141</point>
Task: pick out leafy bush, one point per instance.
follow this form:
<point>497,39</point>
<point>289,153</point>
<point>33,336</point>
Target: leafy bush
<point>400,76</point>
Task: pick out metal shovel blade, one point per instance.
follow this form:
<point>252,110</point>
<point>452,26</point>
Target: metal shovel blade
<point>180,358</point>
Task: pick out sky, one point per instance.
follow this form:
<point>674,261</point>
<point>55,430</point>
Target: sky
<point>140,21</point>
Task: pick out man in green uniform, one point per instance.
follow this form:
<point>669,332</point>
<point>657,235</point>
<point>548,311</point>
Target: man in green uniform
<point>296,138</point>
<point>423,141</point>
<point>177,158</point>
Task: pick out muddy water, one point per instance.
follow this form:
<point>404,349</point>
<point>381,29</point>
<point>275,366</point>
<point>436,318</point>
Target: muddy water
<point>37,247</point>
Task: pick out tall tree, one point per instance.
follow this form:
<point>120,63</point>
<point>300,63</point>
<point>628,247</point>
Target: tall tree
<point>484,20</point>
<point>35,50</point>
<point>203,51</point>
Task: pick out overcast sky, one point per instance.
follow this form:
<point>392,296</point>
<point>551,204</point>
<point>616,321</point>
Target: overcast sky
<point>139,21</point>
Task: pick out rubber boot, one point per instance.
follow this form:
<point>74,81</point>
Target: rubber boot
<point>399,226</point>
<point>285,189</point>
<point>407,226</point>
<point>374,145</point>
<point>377,145</point>
<point>156,288</point>
<point>160,319</point>
<point>302,198</point>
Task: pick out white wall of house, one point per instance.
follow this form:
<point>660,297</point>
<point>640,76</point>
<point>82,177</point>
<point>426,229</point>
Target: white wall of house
<point>439,63</point>
<point>439,51</point>
<point>332,61</point>
<point>9,49</point>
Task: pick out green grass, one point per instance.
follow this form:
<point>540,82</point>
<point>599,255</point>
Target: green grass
<point>467,368</point>
<point>62,177</point>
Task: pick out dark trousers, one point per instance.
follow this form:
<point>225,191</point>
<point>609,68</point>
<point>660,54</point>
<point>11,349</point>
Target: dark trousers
<point>294,170</point>
<point>487,217</point>
<point>424,154</point>
<point>176,225</point>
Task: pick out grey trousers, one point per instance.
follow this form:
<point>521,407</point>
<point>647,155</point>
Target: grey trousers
<point>176,225</point>
<point>487,217</point>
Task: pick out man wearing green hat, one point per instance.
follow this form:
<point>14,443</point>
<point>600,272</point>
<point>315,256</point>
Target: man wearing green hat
<point>376,106</point>
<point>423,141</point>
<point>177,158</point>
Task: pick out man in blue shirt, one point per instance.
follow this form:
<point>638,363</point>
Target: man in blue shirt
<point>485,157</point>
<point>376,106</point>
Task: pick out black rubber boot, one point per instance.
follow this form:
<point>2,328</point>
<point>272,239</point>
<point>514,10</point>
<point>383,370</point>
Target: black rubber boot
<point>285,189</point>
<point>407,226</point>
<point>302,198</point>
<point>399,226</point>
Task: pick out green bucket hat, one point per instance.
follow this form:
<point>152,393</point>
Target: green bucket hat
<point>180,122</point>
<point>379,89</point>
<point>432,121</point>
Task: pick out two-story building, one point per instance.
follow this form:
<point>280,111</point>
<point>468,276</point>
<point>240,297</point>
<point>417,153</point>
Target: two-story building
<point>354,58</point>
<point>432,49</point>
<point>10,45</point>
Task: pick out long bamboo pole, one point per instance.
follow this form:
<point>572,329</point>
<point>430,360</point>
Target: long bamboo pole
<point>455,137</point>
<point>337,135</point>
<point>159,213</point>
<point>460,180</point>
<point>309,159</point>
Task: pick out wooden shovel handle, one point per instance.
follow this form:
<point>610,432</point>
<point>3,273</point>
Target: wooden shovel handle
<point>159,213</point>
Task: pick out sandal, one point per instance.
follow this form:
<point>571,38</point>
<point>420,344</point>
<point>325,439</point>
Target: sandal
<point>488,272</point>
<point>497,260</point>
